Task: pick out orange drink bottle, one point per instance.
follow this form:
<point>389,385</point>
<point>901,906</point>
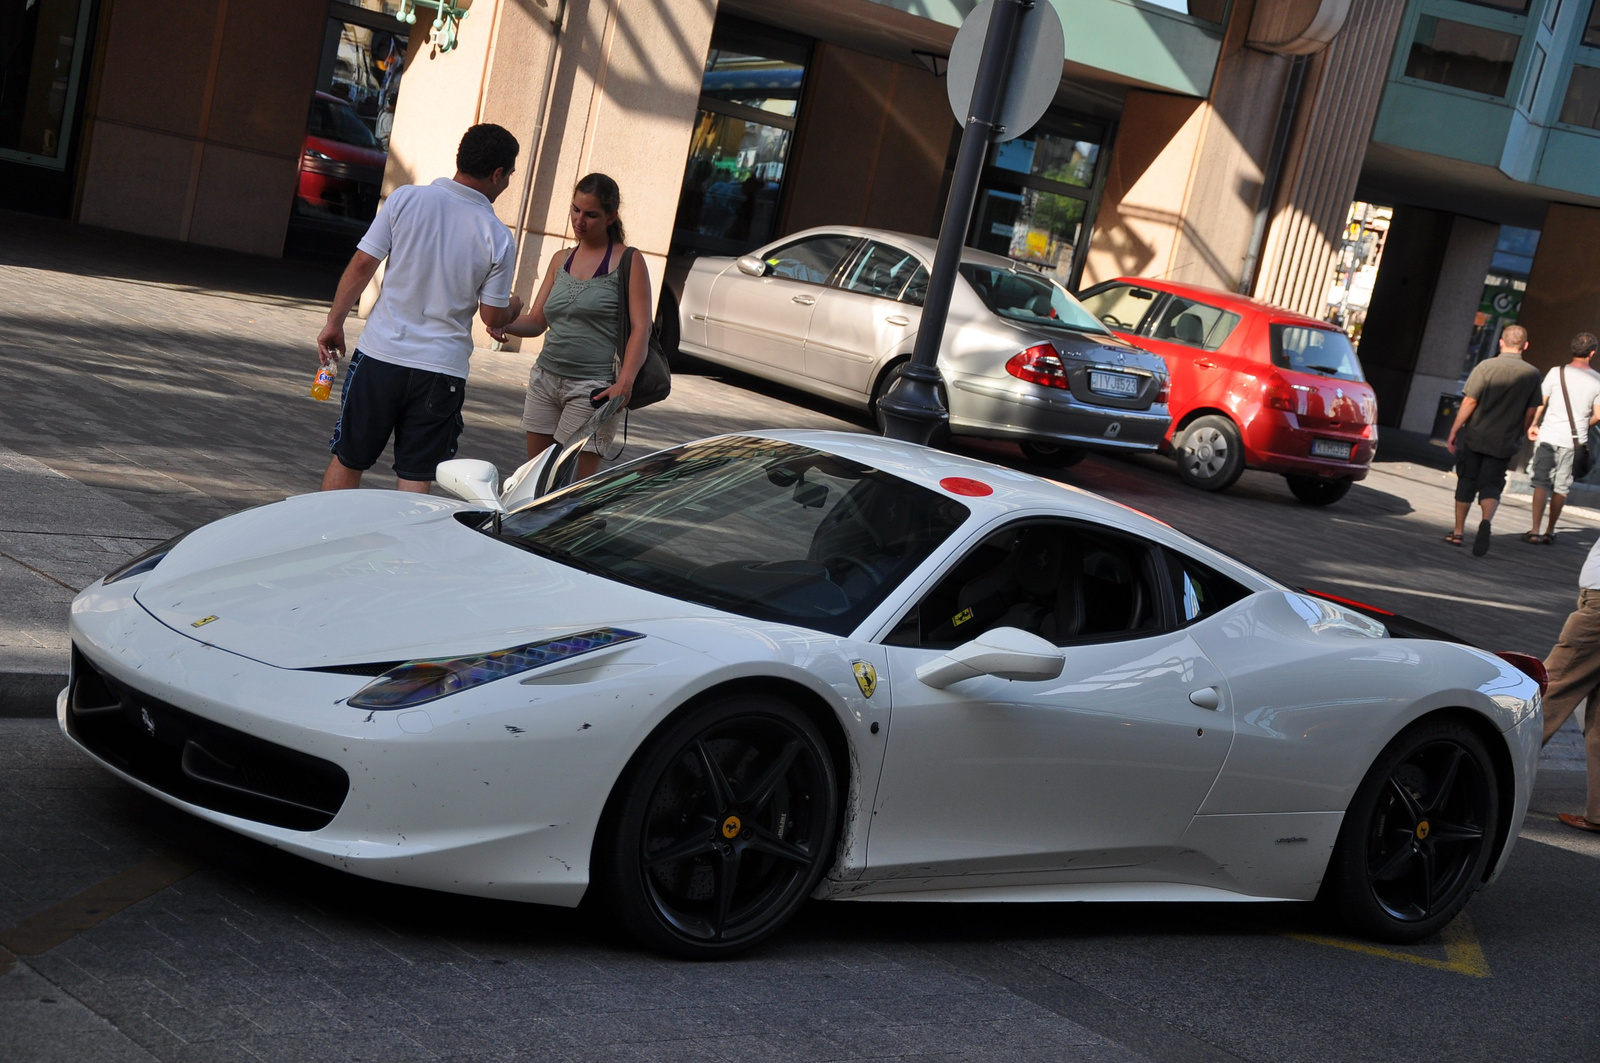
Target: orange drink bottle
<point>322,387</point>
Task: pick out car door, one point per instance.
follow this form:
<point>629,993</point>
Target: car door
<point>1190,336</point>
<point>1104,766</point>
<point>863,317</point>
<point>763,320</point>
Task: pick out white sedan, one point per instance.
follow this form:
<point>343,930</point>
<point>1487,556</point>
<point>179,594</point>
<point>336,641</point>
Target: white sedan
<point>726,677</point>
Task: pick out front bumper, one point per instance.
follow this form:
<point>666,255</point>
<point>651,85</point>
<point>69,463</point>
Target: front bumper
<point>1015,409</point>
<point>495,791</point>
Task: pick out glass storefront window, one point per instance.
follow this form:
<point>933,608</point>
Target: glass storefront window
<point>738,154</point>
<point>1040,228</point>
<point>1058,158</point>
<point>1591,28</point>
<point>41,56</point>
<point>730,189</point>
<point>1516,7</point>
<point>1462,56</point>
<point>1582,103</point>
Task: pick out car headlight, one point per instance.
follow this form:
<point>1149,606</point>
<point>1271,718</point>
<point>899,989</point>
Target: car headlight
<point>145,561</point>
<point>419,682</point>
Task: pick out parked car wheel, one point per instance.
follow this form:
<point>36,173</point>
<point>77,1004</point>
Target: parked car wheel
<point>1210,454</point>
<point>723,830</point>
<point>1054,455</point>
<point>885,382</point>
<point>1417,837</point>
<point>1315,491</point>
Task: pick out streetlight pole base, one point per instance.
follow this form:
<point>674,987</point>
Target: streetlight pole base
<point>912,410</point>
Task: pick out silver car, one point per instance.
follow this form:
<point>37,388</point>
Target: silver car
<point>834,311</point>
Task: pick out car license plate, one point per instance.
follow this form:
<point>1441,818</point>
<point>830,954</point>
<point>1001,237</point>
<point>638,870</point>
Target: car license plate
<point>1327,448</point>
<point>1119,384</point>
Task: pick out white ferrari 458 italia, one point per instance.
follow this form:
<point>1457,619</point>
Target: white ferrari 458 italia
<point>703,686</point>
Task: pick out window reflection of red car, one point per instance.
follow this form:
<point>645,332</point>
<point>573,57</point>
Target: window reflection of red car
<point>341,163</point>
<point>1252,386</point>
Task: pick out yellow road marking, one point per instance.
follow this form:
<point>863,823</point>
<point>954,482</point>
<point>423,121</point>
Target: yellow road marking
<point>42,932</point>
<point>1462,952</point>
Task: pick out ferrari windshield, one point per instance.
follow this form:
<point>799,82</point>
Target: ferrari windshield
<point>770,530</point>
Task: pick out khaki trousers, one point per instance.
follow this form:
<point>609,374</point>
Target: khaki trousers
<point>1574,667</point>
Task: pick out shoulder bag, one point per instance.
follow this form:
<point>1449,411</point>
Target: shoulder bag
<point>654,381</point>
<point>1581,461</point>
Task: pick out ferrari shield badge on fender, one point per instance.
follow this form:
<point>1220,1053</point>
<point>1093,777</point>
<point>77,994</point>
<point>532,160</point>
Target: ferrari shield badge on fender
<point>203,621</point>
<point>866,678</point>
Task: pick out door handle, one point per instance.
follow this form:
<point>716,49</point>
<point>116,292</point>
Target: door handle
<point>1205,363</point>
<point>1206,698</point>
<point>898,319</point>
<point>805,300</point>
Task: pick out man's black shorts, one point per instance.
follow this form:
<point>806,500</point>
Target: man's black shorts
<point>1479,475</point>
<point>421,409</point>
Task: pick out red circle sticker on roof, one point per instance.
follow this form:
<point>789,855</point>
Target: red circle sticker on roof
<point>960,485</point>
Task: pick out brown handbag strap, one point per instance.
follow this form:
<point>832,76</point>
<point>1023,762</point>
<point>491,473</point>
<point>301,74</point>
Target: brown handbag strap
<point>624,267</point>
<point>1566,400</point>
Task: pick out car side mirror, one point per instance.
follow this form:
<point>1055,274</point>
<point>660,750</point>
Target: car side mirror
<point>751,265</point>
<point>528,482</point>
<point>1003,652</point>
<point>471,480</point>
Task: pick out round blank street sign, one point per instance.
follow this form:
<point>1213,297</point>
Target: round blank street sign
<point>1035,68</point>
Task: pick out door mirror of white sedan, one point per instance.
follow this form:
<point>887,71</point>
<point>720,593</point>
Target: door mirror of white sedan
<point>1003,652</point>
<point>528,482</point>
<point>752,265</point>
<point>471,480</point>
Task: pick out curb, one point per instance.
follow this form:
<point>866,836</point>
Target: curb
<point>29,695</point>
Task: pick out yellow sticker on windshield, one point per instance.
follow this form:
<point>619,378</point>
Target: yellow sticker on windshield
<point>961,618</point>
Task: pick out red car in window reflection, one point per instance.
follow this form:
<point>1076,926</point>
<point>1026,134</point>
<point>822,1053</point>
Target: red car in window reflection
<point>341,164</point>
<point>1253,386</point>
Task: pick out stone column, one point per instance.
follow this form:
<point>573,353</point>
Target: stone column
<point>622,98</point>
<point>1338,105</point>
<point>1444,352</point>
<point>1563,294</point>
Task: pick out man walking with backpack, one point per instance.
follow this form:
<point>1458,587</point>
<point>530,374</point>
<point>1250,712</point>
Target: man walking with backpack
<point>1561,428</point>
<point>1502,394</point>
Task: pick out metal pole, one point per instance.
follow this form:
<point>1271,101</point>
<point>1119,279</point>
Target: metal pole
<point>912,409</point>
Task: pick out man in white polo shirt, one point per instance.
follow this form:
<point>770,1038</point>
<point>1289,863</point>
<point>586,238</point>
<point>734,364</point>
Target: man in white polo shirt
<point>448,257</point>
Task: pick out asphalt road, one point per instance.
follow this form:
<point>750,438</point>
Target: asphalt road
<point>174,385</point>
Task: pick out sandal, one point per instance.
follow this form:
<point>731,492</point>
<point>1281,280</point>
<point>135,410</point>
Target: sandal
<point>1453,539</point>
<point>1572,819</point>
<point>1548,539</point>
<point>1532,537</point>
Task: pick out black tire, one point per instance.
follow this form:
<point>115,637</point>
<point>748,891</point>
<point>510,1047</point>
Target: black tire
<point>886,381</point>
<point>1315,491</point>
<point>668,327</point>
<point>743,791</point>
<point>1210,454</point>
<point>1417,837</point>
<point>1054,455</point>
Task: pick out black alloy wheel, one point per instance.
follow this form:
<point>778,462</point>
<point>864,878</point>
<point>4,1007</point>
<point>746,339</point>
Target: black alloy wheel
<point>1055,455</point>
<point>723,830</point>
<point>1317,491</point>
<point>1416,840</point>
<point>1209,453</point>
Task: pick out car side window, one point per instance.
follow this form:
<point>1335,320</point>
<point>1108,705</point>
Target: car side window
<point>1120,306</point>
<point>1194,324</point>
<point>880,270</point>
<point>812,260</point>
<point>916,288</point>
<point>1061,580</point>
<point>1199,590</point>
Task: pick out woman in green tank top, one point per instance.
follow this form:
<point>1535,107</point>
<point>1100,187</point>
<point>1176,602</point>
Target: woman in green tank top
<point>576,310</point>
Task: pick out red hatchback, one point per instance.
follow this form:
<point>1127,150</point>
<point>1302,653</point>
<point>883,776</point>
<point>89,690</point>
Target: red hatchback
<point>1252,386</point>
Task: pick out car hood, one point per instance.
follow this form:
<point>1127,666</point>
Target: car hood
<point>355,577</point>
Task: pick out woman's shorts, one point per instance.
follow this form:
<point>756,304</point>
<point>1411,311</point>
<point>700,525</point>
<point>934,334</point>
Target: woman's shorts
<point>558,406</point>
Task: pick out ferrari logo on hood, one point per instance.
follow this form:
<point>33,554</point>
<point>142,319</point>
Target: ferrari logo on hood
<point>866,678</point>
<point>203,621</point>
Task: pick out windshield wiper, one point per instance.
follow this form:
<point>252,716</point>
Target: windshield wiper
<point>1330,370</point>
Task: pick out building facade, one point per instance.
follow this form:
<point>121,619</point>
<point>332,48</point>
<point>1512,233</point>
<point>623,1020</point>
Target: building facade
<point>1218,142</point>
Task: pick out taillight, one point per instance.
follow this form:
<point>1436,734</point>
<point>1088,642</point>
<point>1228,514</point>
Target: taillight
<point>1529,665</point>
<point>1165,391</point>
<point>1039,365</point>
<point>1280,396</point>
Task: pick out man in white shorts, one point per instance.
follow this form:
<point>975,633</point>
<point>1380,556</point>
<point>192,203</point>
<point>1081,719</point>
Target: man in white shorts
<point>1551,470</point>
